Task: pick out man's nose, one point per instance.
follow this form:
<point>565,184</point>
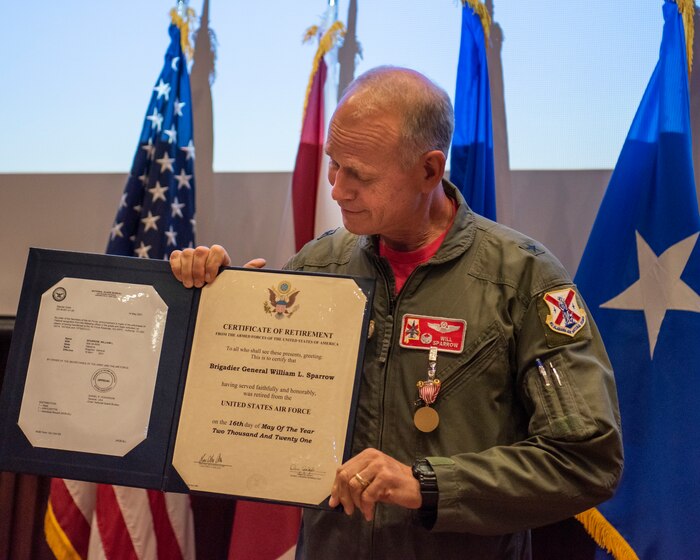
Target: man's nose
<point>340,190</point>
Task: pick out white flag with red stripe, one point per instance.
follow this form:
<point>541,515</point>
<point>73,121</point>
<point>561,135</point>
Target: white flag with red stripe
<point>313,208</point>
<point>313,212</point>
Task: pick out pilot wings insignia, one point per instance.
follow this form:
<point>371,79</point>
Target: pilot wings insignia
<point>444,327</point>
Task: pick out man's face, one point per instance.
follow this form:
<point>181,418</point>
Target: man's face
<point>375,193</point>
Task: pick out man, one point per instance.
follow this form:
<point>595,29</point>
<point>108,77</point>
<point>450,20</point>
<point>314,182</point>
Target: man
<point>513,422</point>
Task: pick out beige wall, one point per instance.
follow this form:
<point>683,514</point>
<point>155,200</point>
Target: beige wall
<point>244,211</point>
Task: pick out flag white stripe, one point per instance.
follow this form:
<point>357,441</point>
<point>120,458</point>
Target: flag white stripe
<point>178,507</point>
<point>328,214</point>
<point>290,554</point>
<point>95,549</point>
<point>83,495</point>
<point>136,511</point>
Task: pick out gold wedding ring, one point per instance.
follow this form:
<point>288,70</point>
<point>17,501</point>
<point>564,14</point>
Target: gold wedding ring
<point>361,480</point>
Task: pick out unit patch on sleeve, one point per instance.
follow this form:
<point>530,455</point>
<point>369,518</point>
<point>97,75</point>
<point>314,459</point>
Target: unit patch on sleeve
<point>565,316</point>
<point>422,332</point>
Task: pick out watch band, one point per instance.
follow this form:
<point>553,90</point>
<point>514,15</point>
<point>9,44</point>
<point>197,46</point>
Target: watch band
<point>427,479</point>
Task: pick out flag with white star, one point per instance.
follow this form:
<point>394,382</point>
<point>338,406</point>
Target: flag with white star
<point>640,275</point>
<point>156,212</point>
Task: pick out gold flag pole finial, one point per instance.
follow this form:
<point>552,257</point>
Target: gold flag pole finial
<point>687,10</point>
<point>327,41</point>
<point>183,16</point>
<point>483,13</point>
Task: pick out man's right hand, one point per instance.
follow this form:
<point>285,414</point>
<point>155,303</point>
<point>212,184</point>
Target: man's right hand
<point>196,267</point>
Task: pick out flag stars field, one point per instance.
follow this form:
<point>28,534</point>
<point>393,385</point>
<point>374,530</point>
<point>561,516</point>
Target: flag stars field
<point>157,209</point>
<point>149,147</point>
<point>171,235</point>
<point>171,133</point>
<point>183,180</point>
<point>176,208</point>
<point>149,222</point>
<point>189,150</point>
<point>162,89</point>
<point>166,163</point>
<point>158,192</point>
<point>142,251</point>
<point>116,230</point>
<point>156,121</point>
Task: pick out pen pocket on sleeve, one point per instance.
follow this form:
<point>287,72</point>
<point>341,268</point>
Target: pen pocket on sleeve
<point>559,410</point>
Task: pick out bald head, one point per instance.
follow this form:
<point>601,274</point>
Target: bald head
<point>423,109</point>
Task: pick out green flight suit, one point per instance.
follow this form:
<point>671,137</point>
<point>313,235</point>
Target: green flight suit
<point>513,449</point>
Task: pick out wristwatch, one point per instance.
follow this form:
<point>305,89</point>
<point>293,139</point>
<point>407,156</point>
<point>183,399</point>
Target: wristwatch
<point>425,475</point>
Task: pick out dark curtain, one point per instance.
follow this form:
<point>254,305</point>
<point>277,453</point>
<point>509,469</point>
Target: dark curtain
<point>22,496</point>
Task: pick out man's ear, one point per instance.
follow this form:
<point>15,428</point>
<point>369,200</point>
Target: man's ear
<point>433,168</point>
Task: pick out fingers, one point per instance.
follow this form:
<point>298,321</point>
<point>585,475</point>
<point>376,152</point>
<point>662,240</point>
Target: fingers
<point>347,490</point>
<point>371,477</point>
<point>255,263</point>
<point>176,264</point>
<point>195,267</point>
<point>216,258</point>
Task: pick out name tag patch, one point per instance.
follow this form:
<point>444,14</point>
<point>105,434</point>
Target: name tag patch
<point>422,332</point>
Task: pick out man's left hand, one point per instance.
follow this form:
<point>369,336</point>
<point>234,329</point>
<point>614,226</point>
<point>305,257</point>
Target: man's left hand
<point>371,477</point>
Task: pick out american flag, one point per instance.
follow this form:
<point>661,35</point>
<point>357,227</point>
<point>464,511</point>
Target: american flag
<point>155,217</point>
<point>156,212</point>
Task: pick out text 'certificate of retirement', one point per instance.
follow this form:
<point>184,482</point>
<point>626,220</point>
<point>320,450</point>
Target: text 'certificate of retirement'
<point>93,366</point>
<point>269,387</point>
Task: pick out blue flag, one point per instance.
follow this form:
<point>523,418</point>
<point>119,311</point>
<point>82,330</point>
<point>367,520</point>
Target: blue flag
<point>471,160</point>
<point>640,274</point>
<point>156,213</point>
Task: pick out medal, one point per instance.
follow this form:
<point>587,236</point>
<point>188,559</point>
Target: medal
<point>426,418</point>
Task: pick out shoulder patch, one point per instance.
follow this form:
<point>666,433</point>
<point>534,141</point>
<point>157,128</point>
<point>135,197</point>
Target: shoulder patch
<point>565,315</point>
<point>327,233</point>
<point>532,247</point>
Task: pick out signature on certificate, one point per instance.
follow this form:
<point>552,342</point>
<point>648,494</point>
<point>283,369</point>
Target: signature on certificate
<point>210,459</point>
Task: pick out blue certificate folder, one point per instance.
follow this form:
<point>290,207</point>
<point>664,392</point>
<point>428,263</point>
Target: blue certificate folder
<point>149,464</point>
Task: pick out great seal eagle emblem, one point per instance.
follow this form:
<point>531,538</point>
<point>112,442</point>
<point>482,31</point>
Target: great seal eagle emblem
<point>280,302</point>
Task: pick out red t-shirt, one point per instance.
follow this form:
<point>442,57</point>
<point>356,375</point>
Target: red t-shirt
<point>404,262</point>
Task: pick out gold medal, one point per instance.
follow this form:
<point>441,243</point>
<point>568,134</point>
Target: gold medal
<point>426,419</point>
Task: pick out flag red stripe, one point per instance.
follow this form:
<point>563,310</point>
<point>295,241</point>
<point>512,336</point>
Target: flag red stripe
<point>307,168</point>
<point>115,537</point>
<point>263,531</point>
<point>69,516</point>
<point>165,535</point>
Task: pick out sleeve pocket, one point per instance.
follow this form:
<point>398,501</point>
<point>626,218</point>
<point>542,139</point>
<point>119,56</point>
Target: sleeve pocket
<point>559,411</point>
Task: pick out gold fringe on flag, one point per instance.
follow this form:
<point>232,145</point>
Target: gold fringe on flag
<point>58,541</point>
<point>687,10</point>
<point>483,13</point>
<point>326,43</point>
<point>605,535</point>
<point>184,24</point>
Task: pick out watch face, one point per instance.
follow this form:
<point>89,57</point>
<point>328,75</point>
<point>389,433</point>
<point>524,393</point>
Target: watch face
<point>421,467</point>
